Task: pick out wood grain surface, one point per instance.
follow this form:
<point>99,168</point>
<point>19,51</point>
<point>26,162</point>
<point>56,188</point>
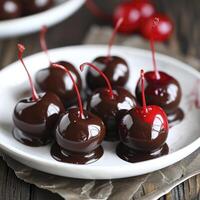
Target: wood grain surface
<point>186,16</point>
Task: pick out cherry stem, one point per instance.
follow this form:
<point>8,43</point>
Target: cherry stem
<point>155,24</point>
<point>102,74</point>
<point>75,86</point>
<point>43,43</point>
<point>21,50</point>
<point>143,93</point>
<point>119,22</point>
<point>96,11</point>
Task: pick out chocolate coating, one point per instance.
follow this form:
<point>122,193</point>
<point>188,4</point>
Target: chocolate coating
<point>164,92</point>
<point>144,131</point>
<point>35,120</point>
<point>115,68</point>
<point>35,6</point>
<point>57,81</point>
<point>79,139</point>
<point>110,110</point>
<point>131,155</point>
<point>10,9</point>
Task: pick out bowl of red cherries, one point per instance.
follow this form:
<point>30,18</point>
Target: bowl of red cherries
<point>99,112</point>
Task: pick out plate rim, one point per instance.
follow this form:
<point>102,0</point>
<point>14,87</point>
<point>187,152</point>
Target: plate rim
<point>181,153</point>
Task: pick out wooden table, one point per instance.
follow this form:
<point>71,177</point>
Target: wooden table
<point>186,15</point>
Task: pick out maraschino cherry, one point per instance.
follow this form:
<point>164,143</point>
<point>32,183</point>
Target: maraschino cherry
<point>35,117</point>
<point>10,9</point>
<point>134,14</point>
<point>113,67</point>
<point>161,89</point>
<point>162,31</point>
<point>79,133</point>
<point>109,104</point>
<point>35,6</point>
<point>143,131</point>
<point>56,80</point>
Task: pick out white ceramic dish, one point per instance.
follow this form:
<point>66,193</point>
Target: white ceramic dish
<point>33,23</point>
<point>183,139</point>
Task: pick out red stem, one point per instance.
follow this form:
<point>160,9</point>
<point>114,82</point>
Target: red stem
<point>43,43</point>
<point>143,93</point>
<point>119,22</point>
<point>21,50</point>
<point>102,74</point>
<point>155,23</point>
<point>96,11</point>
<point>75,86</point>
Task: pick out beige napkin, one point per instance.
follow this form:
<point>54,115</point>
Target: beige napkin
<point>149,186</point>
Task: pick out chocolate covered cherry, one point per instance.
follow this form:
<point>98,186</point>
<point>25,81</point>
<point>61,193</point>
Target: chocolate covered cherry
<point>79,134</point>
<point>161,89</point>
<point>109,104</point>
<point>164,92</point>
<point>35,6</point>
<point>56,80</point>
<point>35,117</point>
<point>143,132</point>
<point>9,9</point>
<point>114,67</point>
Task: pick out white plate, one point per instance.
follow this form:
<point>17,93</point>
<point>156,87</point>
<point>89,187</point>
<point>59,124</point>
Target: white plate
<point>183,139</point>
<point>33,23</point>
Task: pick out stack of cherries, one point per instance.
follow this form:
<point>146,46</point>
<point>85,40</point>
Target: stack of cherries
<point>112,113</point>
<point>10,9</point>
<point>138,16</point>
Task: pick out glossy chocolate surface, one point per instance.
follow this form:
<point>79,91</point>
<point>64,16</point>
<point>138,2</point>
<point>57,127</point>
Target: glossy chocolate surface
<point>35,6</point>
<point>58,82</point>
<point>131,155</point>
<point>62,155</point>
<point>164,92</point>
<point>79,139</point>
<point>35,120</point>
<point>110,110</point>
<point>176,117</point>
<point>115,68</point>
<point>10,9</point>
<point>144,131</point>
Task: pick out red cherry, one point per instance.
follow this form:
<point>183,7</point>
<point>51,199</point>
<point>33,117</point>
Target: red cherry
<point>131,16</point>
<point>162,31</point>
<point>134,14</point>
<point>56,80</point>
<point>147,10</point>
<point>144,128</point>
<point>79,133</point>
<point>161,89</point>
<point>35,118</point>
